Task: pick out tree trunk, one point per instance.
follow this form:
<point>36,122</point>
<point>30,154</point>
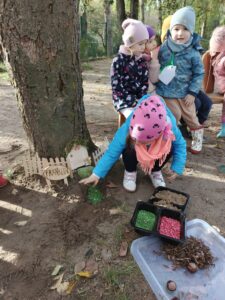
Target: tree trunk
<point>143,11</point>
<point>121,12</point>
<point>84,23</point>
<point>134,7</point>
<point>40,41</point>
<point>108,26</point>
<point>160,13</point>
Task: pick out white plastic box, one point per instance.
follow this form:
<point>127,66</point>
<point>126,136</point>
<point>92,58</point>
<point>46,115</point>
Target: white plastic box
<point>206,284</point>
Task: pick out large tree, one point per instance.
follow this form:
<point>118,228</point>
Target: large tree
<point>40,41</point>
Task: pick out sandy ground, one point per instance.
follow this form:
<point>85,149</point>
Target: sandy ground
<point>41,228</point>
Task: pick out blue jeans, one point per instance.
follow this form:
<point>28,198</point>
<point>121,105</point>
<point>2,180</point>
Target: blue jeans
<point>203,106</point>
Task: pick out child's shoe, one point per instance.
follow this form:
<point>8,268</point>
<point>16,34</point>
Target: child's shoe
<point>197,139</point>
<point>157,179</point>
<point>3,181</point>
<point>221,134</point>
<point>129,181</point>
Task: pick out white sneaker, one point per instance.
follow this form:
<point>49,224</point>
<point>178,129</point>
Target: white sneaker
<point>197,139</point>
<point>157,179</point>
<point>129,181</point>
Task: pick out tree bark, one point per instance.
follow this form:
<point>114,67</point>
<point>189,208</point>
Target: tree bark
<point>160,13</point>
<point>143,11</point>
<point>108,26</point>
<point>40,41</point>
<point>84,23</point>
<point>121,12</point>
<point>134,8</point>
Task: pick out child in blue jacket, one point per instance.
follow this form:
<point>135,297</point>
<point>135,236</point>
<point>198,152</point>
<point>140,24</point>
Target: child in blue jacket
<point>149,137</point>
<point>182,72</point>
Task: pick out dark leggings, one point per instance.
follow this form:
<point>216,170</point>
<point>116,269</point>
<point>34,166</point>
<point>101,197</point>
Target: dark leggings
<point>130,161</point>
<point>203,106</point>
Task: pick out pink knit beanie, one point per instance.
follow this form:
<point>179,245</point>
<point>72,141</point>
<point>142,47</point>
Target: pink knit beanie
<point>149,120</point>
<point>217,41</point>
<point>134,32</point>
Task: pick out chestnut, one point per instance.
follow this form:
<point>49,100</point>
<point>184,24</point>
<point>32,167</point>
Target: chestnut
<point>171,285</point>
<point>192,267</point>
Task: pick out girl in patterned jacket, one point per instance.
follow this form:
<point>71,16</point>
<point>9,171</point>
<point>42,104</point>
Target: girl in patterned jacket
<point>217,53</point>
<point>182,72</point>
<point>149,137</point>
<point>129,71</point>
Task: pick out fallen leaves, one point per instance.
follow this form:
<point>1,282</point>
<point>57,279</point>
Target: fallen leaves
<point>115,211</point>
<point>111,185</point>
<point>85,274</point>
<point>59,286</point>
<point>83,269</point>
<point>56,270</point>
<point>79,267</point>
<point>123,249</point>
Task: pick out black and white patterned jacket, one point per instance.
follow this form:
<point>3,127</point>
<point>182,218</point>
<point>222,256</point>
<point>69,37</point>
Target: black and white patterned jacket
<point>129,80</point>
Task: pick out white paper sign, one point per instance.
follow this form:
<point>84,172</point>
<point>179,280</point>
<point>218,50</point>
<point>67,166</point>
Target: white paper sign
<point>167,74</point>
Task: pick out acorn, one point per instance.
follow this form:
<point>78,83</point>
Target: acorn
<point>192,267</point>
<point>171,285</point>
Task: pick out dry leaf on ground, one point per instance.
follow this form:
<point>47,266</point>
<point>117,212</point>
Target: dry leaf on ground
<point>56,270</point>
<point>85,274</point>
<point>123,249</point>
<point>91,266</point>
<point>115,211</point>
<point>60,286</point>
<point>111,185</point>
<point>79,267</point>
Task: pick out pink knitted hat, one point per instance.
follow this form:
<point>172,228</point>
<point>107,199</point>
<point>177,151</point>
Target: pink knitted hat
<point>149,120</point>
<point>217,41</point>
<point>134,32</point>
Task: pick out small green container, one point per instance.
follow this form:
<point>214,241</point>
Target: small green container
<point>8,174</point>
<point>85,172</point>
<point>94,196</point>
<point>145,220</point>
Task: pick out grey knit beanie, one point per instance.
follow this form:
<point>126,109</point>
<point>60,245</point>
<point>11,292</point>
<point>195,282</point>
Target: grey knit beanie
<point>184,16</point>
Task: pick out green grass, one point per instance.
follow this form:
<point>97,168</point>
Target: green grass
<point>118,234</point>
<point>114,275</point>
<point>3,72</point>
<point>116,278</point>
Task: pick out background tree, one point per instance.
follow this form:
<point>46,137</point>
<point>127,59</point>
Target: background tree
<point>143,11</point>
<point>40,41</point>
<point>108,26</point>
<point>134,9</point>
<point>121,12</point>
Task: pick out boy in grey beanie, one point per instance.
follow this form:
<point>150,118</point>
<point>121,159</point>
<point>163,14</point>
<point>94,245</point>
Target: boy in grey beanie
<point>181,62</point>
<point>184,16</point>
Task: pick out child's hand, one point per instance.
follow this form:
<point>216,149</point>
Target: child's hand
<point>189,99</point>
<point>154,53</point>
<point>91,179</point>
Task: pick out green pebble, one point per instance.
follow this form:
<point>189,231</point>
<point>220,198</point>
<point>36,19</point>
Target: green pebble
<point>94,195</point>
<point>85,172</point>
<point>145,220</point>
<point>8,174</point>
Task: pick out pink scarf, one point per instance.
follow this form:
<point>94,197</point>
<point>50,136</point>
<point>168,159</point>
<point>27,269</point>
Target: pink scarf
<point>158,150</point>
